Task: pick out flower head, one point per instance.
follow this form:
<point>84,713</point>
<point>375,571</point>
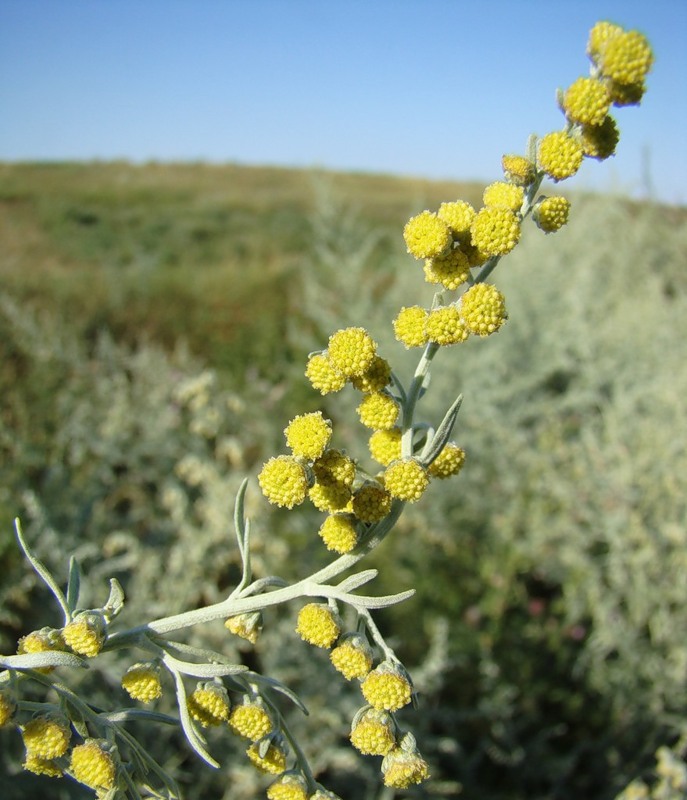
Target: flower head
<point>339,533</point>
<point>288,787</point>
<point>626,94</point>
<point>504,195</point>
<point>402,769</point>
<point>386,689</point>
<point>406,479</point>
<point>559,155</point>
<point>86,633</point>
<point>599,36</point>
<point>599,141</point>
<point>551,213</point>
<point>409,326</point>
<point>495,231</point>
<point>450,270</point>
<point>352,657</point>
<point>92,764</point>
<point>330,496</point>
<point>458,215</point>
<point>626,57</point>
<point>445,327</point>
<point>352,351</point>
<point>250,719</point>
<point>284,481</point>
<point>142,682</point>
<point>377,376</point>
<point>426,235</point>
<point>385,446</point>
<point>272,760</point>
<point>46,737</point>
<point>43,766</point>
<point>372,733</point>
<point>7,707</point>
<point>449,461</point>
<point>209,704</point>
<point>247,626</point>
<point>518,170</point>
<point>308,435</point>
<point>586,101</point>
<point>371,502</point>
<point>483,309</point>
<point>378,411</point>
<point>317,625</point>
<point>334,467</point>
<point>323,375</point>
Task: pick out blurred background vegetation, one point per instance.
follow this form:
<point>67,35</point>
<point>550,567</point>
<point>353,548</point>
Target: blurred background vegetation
<point>154,323</point>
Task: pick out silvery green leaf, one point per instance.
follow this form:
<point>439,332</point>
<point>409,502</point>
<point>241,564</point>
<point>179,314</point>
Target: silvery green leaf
<point>48,658</point>
<point>73,584</point>
<point>194,738</point>
<point>443,434</point>
<point>359,579</point>
<point>203,670</point>
<point>42,570</point>
<point>127,714</point>
<point>363,600</point>
<point>115,602</point>
<point>277,686</point>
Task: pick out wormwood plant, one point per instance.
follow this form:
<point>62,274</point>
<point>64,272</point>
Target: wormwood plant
<point>361,498</point>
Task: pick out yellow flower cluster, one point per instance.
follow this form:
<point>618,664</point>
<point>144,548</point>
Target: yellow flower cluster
<point>284,481</point>
<point>317,625</point>
<point>504,195</point>
<point>406,479</point>
<point>449,461</point>
<point>518,170</point>
<point>450,270</point>
<point>251,720</point>
<point>323,375</point>
<point>46,738</point>
<point>371,502</point>
<point>86,633</point>
<point>373,733</point>
<point>587,101</point>
<point>352,657</point>
<point>7,708</point>
<point>559,155</point>
<point>209,704</point>
<point>377,376</point>
<point>43,766</point>
<point>483,309</point>
<point>288,787</point>
<point>142,682</point>
<point>247,626</point>
<point>378,411</point>
<point>551,213</point>
<point>307,435</point>
<point>427,235</point>
<point>409,326</point>
<point>42,641</point>
<point>339,533</point>
<point>352,351</point>
<point>92,764</point>
<point>402,769</point>
<point>330,497</point>
<point>495,231</point>
<point>445,327</point>
<point>334,467</point>
<point>386,689</point>
<point>272,761</point>
<point>385,446</point>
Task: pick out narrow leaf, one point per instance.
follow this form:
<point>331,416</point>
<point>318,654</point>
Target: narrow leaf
<point>42,571</point>
<point>73,584</point>
<point>443,434</point>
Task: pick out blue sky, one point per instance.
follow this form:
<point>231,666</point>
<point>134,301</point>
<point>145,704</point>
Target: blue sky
<point>436,88</point>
